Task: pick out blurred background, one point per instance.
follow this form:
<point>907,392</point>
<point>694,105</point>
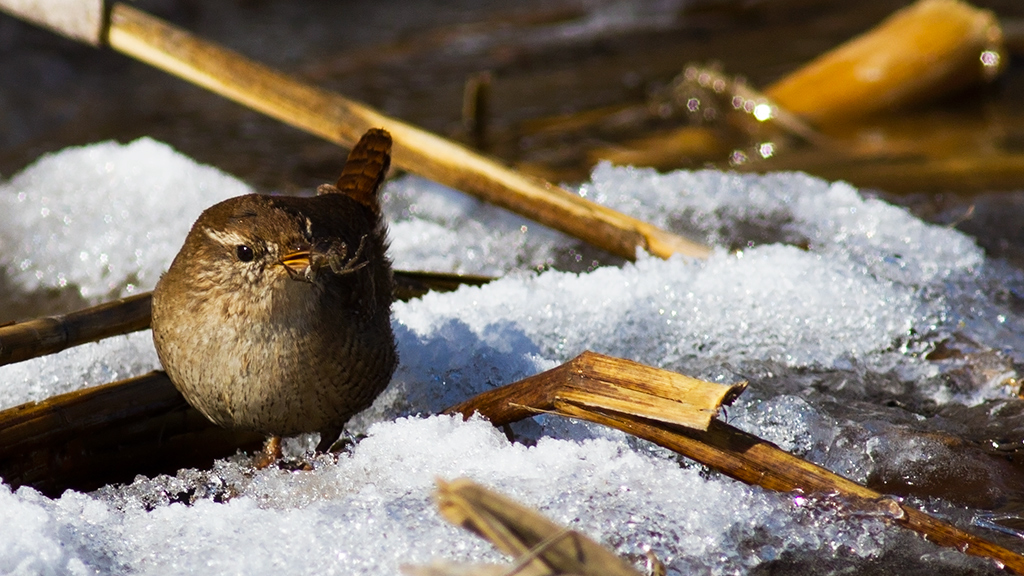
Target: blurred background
<point>551,87</point>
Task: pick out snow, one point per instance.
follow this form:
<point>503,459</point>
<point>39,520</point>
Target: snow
<point>76,218</point>
<point>816,294</point>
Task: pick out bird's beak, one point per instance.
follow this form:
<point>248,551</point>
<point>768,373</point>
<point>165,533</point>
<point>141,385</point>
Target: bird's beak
<point>297,264</point>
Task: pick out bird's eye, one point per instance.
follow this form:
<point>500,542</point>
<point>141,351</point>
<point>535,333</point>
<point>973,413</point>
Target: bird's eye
<point>244,253</point>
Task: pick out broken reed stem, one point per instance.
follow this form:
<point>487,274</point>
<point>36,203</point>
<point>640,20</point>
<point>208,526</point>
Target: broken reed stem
<point>538,545</point>
<point>734,453</point>
<point>665,149</point>
<point>42,336</point>
<point>476,99</point>
<point>343,121</point>
<point>33,338</point>
<point>750,97</point>
<point>602,382</point>
<point>22,427</point>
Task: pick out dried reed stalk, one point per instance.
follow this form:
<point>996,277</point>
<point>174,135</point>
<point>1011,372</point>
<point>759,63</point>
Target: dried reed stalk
<point>926,168</point>
<point>538,545</point>
<point>410,285</point>
<point>443,568</point>
<point>343,121</point>
<point>599,382</point>
<point>42,336</point>
<point>737,454</point>
<point>921,51</point>
<point>665,149</point>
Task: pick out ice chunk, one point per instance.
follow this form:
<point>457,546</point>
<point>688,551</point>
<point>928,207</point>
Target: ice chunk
<point>28,537</point>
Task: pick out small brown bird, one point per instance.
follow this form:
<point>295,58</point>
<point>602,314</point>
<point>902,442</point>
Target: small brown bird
<point>275,316</point>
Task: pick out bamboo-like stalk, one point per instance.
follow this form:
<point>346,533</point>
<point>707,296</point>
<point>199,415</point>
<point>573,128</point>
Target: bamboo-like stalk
<point>666,149</point>
<point>923,50</point>
<point>737,454</point>
<point>413,284</point>
<point>340,120</point>
<point>43,336</point>
<point>39,337</point>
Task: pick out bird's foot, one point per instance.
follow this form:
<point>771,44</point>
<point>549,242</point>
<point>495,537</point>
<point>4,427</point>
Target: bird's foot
<point>270,454</point>
<point>327,440</point>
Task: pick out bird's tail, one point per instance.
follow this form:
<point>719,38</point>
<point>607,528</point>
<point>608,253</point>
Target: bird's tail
<point>365,169</point>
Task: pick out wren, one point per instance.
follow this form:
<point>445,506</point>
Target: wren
<point>275,316</point>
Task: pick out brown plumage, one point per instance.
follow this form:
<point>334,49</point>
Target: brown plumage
<point>365,169</point>
<point>275,314</point>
